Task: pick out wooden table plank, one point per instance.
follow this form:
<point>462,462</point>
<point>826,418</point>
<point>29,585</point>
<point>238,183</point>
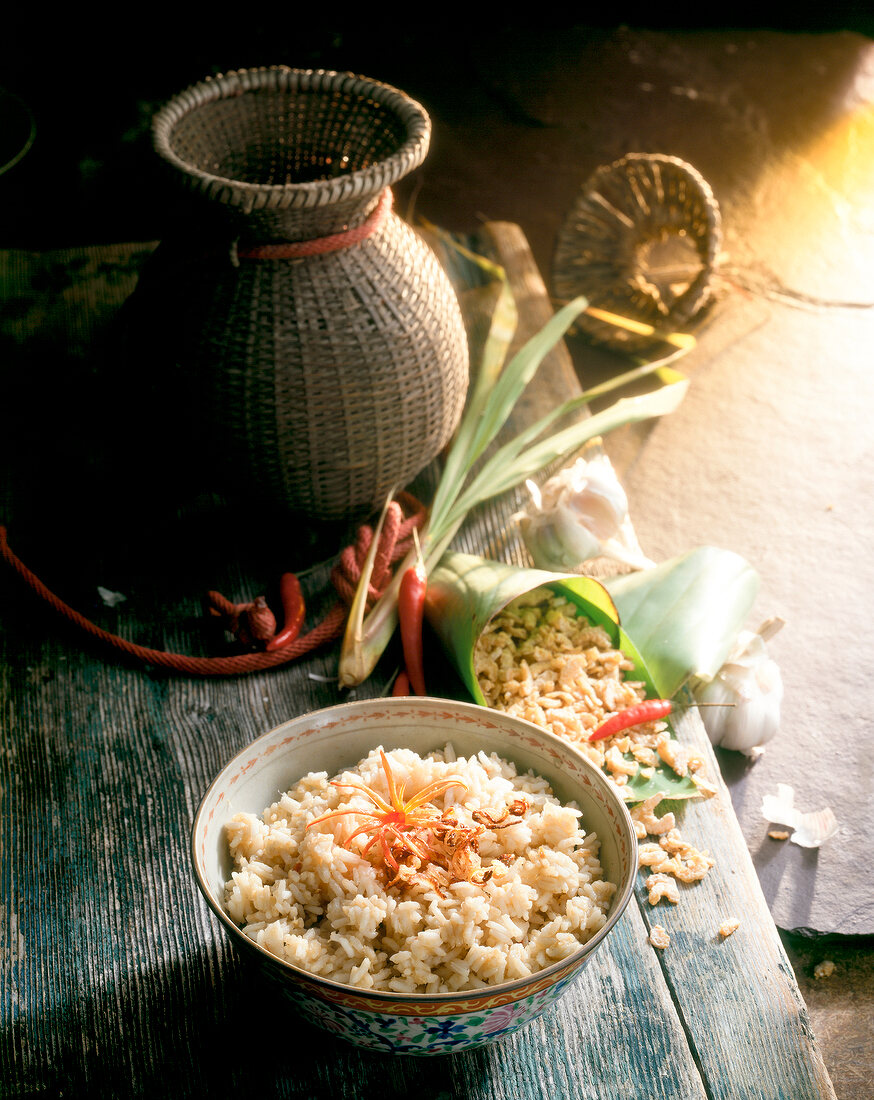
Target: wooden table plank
<point>114,977</point>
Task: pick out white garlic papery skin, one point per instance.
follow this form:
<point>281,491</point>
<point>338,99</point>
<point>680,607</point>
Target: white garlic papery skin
<point>580,513</point>
<point>749,680</point>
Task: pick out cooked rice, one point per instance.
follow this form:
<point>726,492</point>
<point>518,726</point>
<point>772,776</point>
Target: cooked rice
<point>329,910</point>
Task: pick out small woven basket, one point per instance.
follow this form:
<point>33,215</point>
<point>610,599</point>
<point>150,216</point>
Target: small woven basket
<point>641,241</point>
<point>318,334</point>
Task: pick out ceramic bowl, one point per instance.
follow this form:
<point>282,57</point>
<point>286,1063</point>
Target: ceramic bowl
<point>337,737</point>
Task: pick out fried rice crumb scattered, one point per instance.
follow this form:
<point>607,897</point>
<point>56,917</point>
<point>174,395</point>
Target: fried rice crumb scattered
<point>541,661</point>
<point>778,834</point>
<point>825,969</point>
<point>729,927</point>
<point>658,937</point>
<point>662,886</point>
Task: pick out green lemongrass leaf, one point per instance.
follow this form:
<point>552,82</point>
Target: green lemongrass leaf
<point>654,366</point>
<point>627,410</point>
<point>505,316</point>
<point>502,329</point>
<point>518,373</point>
<point>502,326</point>
<point>685,614</point>
<point>510,451</point>
<point>480,425</point>
<point>508,468</point>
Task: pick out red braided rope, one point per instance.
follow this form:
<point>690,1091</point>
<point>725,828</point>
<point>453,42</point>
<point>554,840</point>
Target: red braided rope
<point>395,541</point>
<point>318,246</point>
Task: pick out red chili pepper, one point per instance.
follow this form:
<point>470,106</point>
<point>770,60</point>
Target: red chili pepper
<point>402,683</point>
<point>411,615</point>
<point>648,711</point>
<point>294,611</point>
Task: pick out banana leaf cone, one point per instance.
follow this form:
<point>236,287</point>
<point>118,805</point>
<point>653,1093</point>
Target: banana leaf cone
<point>465,592</point>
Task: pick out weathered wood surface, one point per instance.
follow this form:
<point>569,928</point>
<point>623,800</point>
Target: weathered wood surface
<point>114,979</point>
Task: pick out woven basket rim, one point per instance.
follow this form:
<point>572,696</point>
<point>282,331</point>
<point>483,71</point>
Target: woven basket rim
<point>567,280</point>
<point>693,177</point>
<point>305,195</point>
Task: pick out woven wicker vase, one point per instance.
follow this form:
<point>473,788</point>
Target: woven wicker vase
<point>323,340</point>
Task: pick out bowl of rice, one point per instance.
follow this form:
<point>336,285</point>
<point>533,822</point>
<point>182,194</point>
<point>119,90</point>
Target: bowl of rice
<point>421,876</point>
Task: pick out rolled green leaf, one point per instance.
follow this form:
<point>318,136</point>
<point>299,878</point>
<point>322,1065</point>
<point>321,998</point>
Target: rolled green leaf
<point>685,613</point>
<point>465,592</point>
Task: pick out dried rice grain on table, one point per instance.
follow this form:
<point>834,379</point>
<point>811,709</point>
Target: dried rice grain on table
<point>539,659</point>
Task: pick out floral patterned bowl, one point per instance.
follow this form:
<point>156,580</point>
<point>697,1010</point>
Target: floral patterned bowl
<point>339,736</point>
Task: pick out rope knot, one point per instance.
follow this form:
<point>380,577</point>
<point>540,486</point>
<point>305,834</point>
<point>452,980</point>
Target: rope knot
<point>403,515</point>
<point>252,624</point>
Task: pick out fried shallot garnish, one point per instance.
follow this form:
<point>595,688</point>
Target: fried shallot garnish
<point>420,845</point>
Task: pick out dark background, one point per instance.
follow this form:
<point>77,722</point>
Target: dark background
<point>90,176</point>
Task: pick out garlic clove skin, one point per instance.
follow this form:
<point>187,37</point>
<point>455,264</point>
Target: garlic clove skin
<point>811,830</point>
<point>556,541</point>
<point>580,513</point>
<point>751,683</point>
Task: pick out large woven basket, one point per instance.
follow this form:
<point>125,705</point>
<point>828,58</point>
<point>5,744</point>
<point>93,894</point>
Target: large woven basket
<point>642,241</point>
<point>326,372</point>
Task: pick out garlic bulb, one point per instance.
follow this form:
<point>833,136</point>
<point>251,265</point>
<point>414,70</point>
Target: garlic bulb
<point>580,513</point>
<point>749,680</point>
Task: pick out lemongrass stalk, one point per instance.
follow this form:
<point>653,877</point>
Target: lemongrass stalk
<point>495,394</point>
<point>518,373</point>
<point>363,646</point>
<point>353,664</point>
